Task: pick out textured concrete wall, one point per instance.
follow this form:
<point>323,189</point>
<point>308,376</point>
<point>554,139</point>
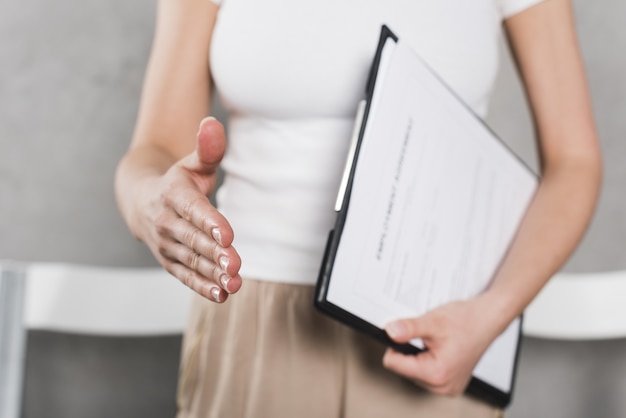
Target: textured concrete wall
<point>70,77</point>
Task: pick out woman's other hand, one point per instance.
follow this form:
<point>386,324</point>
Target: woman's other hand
<point>455,336</point>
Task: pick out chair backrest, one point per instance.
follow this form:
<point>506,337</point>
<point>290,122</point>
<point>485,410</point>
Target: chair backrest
<point>80,299</point>
<point>104,300</point>
<point>581,306</point>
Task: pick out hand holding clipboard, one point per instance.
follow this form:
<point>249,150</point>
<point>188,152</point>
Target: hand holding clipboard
<point>430,202</point>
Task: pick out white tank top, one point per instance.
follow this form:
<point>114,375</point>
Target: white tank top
<point>291,73</point>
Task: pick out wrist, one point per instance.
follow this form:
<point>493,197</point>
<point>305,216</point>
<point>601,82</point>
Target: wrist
<point>141,201</point>
<point>131,195</point>
<point>499,309</point>
<point>136,180</point>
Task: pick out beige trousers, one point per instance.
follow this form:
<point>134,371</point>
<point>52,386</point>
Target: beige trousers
<point>267,352</point>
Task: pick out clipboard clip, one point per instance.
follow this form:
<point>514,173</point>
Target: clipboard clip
<point>343,186</point>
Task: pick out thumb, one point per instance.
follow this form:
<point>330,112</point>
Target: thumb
<point>405,330</point>
<point>210,147</point>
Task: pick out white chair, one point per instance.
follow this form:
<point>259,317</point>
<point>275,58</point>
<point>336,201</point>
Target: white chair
<point>104,301</point>
<point>581,306</point>
<point>80,299</point>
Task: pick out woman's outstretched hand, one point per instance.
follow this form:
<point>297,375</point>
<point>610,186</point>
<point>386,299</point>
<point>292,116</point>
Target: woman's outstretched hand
<point>455,336</point>
<point>184,231</point>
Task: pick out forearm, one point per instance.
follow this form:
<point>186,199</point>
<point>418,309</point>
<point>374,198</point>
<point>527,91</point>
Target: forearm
<point>550,231</point>
<point>175,98</point>
<point>544,43</point>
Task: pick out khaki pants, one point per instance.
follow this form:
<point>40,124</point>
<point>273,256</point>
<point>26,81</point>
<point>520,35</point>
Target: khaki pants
<point>267,352</point>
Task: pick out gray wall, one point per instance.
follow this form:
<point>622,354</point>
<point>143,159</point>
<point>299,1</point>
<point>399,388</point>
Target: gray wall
<point>70,77</point>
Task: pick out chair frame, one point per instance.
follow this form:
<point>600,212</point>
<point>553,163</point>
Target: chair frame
<point>12,338</point>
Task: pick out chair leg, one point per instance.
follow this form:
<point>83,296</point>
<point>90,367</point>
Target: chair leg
<point>12,339</point>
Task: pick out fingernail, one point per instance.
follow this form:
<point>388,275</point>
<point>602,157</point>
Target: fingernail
<point>224,279</point>
<point>224,261</point>
<point>217,236</point>
<point>215,293</point>
<point>208,118</point>
<point>395,330</point>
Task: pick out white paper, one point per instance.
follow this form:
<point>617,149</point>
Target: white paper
<point>435,202</point>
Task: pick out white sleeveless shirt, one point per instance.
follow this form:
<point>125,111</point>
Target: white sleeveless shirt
<point>291,73</point>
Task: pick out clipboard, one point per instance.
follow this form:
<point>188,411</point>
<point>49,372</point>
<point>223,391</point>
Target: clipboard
<point>345,253</point>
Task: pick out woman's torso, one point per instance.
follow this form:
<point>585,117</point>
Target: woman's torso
<point>291,74</point>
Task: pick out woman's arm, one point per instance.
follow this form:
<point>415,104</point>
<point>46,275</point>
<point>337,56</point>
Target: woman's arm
<point>545,47</point>
<point>546,50</point>
<point>163,181</point>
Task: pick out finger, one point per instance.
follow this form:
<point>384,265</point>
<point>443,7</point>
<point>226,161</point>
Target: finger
<point>204,267</point>
<point>195,239</point>
<point>423,369</point>
<point>210,148</point>
<point>197,283</point>
<point>404,364</point>
<point>195,208</point>
<point>404,330</point>
<point>188,234</point>
<point>194,261</point>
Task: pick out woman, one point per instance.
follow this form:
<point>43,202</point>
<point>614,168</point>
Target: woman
<point>291,74</point>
